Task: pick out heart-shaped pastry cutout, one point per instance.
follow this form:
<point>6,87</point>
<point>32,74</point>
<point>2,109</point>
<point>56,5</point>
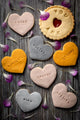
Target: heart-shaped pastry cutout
<point>61,98</point>
<point>21,24</point>
<point>43,77</point>
<point>16,63</point>
<point>68,56</point>
<point>38,50</point>
<point>56,22</point>
<point>26,101</point>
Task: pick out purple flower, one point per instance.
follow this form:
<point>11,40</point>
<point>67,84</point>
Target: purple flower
<point>4,24</point>
<point>51,2</point>
<point>7,102</point>
<point>44,105</point>
<point>22,5</point>
<point>73,36</point>
<point>8,36</point>
<point>8,77</point>
<point>10,5</point>
<point>73,72</point>
<point>21,83</point>
<point>56,44</point>
<point>31,66</point>
<point>66,3</point>
<point>4,47</point>
<point>44,15</point>
<point>56,118</point>
<point>68,82</point>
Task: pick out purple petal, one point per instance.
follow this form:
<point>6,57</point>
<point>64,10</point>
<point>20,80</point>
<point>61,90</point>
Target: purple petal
<point>30,66</point>
<point>4,24</point>
<point>68,82</point>
<point>44,106</point>
<point>7,103</point>
<point>10,5</point>
<point>58,119</point>
<point>66,4</point>
<point>31,34</point>
<point>57,45</point>
<point>21,4</point>
<point>7,34</point>
<point>44,15</point>
<point>73,36</point>
<point>8,77</point>
<point>20,83</point>
<point>73,72</point>
<point>5,48</point>
<point>50,2</point>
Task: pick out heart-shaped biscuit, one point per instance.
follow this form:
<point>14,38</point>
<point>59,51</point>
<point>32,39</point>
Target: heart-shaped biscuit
<point>68,56</point>
<point>38,50</point>
<point>16,63</point>
<point>26,101</point>
<point>21,24</point>
<point>43,77</point>
<point>61,98</point>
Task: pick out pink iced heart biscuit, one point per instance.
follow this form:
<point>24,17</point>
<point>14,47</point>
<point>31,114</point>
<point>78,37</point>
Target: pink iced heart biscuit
<point>43,77</point>
<point>21,24</point>
<point>61,98</point>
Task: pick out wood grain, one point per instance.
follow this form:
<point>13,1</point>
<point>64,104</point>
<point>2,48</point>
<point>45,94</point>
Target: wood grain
<point>6,89</point>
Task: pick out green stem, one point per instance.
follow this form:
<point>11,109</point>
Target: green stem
<point>50,43</point>
<point>29,7</point>
<point>11,96</point>
<point>10,38</point>
<point>30,116</point>
<point>72,88</point>
<point>28,84</point>
<point>10,115</point>
<point>7,17</point>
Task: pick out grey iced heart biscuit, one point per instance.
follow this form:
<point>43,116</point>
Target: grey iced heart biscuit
<point>38,50</point>
<point>26,101</point>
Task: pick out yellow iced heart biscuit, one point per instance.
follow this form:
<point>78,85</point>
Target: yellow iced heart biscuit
<point>68,56</point>
<point>16,62</point>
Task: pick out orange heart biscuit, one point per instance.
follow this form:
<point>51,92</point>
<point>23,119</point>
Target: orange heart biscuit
<point>68,56</point>
<point>16,63</point>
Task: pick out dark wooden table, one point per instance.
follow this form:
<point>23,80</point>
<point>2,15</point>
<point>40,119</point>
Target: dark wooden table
<point>6,89</point>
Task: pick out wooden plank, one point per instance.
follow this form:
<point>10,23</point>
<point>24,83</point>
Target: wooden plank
<point>6,89</point>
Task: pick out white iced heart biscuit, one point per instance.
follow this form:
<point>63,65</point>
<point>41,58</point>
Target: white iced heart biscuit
<point>21,24</point>
<point>43,77</point>
<point>61,98</point>
<point>26,101</point>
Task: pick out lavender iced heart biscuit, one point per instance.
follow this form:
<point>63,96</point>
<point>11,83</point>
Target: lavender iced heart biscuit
<point>61,98</point>
<point>38,50</point>
<point>43,77</point>
<point>26,101</point>
<point>21,24</point>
